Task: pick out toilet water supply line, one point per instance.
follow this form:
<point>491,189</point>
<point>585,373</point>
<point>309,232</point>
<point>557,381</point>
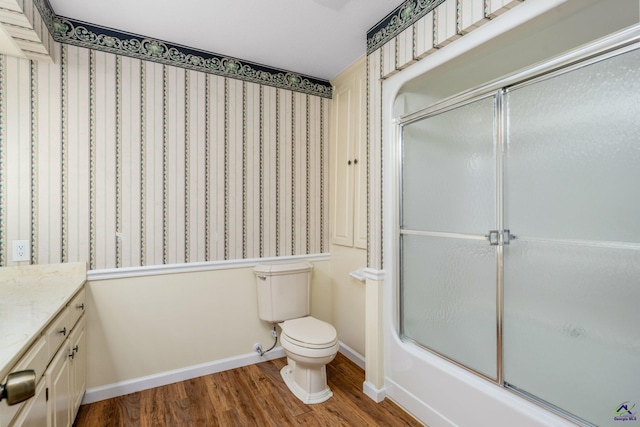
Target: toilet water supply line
<point>258,347</point>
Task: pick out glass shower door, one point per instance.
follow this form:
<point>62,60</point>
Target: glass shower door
<point>572,276</point>
<point>448,204</point>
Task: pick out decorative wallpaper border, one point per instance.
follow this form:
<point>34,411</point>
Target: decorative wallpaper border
<point>69,31</point>
<point>397,21</point>
<point>78,33</point>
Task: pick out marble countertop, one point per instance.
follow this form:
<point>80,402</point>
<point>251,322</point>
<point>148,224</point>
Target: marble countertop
<point>30,297</point>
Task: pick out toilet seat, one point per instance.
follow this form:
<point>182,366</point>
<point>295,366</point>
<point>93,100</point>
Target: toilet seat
<point>309,332</point>
<point>304,354</point>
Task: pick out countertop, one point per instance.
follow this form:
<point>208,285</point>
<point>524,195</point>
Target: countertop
<point>30,297</point>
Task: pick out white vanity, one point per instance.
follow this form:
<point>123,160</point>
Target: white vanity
<point>42,328</point>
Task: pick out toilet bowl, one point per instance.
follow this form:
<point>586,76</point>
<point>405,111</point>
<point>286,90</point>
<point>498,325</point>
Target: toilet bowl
<point>309,344</point>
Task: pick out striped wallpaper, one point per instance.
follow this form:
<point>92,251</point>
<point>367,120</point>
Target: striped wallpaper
<point>122,162</point>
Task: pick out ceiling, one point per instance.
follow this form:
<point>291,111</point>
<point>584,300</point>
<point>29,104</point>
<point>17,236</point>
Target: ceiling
<point>318,38</point>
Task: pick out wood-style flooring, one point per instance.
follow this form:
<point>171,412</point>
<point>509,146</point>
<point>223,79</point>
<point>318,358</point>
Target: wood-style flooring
<point>253,395</point>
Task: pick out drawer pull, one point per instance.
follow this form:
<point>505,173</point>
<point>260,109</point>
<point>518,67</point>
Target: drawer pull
<point>80,306</point>
<point>75,349</point>
<point>71,354</point>
<point>63,331</point>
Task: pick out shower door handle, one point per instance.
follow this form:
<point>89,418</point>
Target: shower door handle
<point>507,236</point>
<point>498,237</point>
<point>494,237</point>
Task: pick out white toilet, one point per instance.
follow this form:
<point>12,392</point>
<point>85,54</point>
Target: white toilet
<point>309,343</point>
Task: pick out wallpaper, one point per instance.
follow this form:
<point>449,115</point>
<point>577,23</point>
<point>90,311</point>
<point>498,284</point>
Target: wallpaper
<point>123,162</point>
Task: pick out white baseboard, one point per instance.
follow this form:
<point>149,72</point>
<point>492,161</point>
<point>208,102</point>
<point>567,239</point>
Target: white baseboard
<point>352,355</point>
<point>163,378</point>
<point>376,394</point>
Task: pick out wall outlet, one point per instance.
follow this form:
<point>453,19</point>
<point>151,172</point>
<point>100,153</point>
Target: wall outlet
<point>21,250</point>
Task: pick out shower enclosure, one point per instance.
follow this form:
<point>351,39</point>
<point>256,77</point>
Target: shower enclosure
<point>519,233</point>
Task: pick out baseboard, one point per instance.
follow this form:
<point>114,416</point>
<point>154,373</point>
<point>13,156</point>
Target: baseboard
<point>163,378</point>
<point>375,394</point>
<point>144,383</point>
<point>352,355</point>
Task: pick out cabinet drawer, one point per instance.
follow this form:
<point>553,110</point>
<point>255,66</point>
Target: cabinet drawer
<point>76,307</point>
<point>58,332</point>
<point>61,327</point>
<point>37,358</point>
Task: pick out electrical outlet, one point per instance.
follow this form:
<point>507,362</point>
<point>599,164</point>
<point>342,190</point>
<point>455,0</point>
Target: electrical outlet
<point>21,250</point>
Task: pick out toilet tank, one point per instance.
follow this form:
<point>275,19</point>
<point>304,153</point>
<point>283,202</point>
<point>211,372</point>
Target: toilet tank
<point>283,290</point>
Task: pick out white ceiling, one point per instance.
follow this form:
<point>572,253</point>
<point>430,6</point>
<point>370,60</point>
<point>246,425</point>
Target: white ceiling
<point>319,38</point>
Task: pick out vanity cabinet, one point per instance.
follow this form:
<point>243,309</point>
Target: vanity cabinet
<point>59,358</point>
<point>348,169</point>
<point>36,358</point>
<point>77,367</point>
<point>66,376</point>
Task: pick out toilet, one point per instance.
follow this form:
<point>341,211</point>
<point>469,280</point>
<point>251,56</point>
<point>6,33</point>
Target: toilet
<point>309,343</point>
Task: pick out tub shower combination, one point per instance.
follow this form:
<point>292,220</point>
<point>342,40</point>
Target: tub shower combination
<point>519,233</point>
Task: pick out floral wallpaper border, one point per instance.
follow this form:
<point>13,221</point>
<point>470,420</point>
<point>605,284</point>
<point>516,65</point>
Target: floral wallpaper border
<point>78,33</point>
<point>397,21</point>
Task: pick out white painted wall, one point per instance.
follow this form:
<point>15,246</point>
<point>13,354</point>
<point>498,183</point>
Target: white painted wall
<point>348,296</point>
<point>147,326</point>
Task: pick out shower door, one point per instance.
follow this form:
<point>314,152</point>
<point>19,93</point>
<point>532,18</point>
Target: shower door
<point>519,236</point>
<point>448,269</point>
<point>572,276</point>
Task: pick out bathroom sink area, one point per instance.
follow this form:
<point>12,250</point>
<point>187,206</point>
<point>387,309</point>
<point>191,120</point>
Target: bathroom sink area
<point>30,297</point>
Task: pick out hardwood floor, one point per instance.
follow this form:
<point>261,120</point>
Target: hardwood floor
<point>253,395</point>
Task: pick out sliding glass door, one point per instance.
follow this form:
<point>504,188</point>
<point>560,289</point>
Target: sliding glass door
<point>572,277</point>
<point>448,204</point>
<point>520,236</point>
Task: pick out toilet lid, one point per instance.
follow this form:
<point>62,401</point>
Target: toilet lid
<point>310,330</point>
